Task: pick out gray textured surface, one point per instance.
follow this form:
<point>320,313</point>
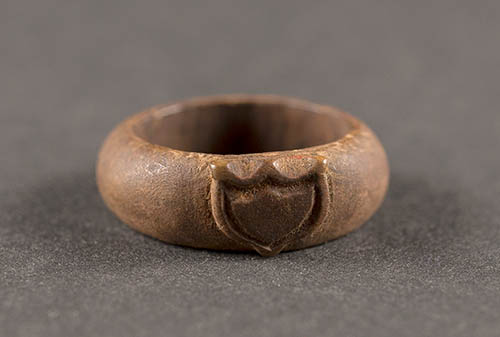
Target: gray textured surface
<point>424,74</point>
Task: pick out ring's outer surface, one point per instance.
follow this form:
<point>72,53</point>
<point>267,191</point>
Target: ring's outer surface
<point>181,173</point>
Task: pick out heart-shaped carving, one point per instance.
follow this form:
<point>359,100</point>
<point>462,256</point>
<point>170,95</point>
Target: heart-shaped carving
<point>268,204</point>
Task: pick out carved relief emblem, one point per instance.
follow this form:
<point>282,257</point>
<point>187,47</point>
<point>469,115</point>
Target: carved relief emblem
<point>269,204</point>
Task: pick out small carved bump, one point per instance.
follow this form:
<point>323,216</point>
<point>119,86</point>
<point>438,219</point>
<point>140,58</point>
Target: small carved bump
<point>238,172</point>
<point>295,167</point>
<point>245,170</point>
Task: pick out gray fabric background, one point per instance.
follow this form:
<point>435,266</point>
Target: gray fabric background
<point>424,74</point>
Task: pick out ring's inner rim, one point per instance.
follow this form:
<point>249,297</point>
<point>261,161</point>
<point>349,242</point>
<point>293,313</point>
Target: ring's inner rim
<point>243,127</point>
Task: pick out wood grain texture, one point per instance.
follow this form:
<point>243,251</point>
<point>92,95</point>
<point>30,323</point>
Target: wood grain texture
<point>195,199</point>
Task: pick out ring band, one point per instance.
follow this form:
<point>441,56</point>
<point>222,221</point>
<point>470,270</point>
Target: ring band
<point>243,172</point>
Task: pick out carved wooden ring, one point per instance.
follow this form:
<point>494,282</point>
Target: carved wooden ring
<point>243,172</point>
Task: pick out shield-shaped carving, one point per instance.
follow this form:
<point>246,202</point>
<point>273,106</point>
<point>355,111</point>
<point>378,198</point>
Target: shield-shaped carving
<point>269,204</point>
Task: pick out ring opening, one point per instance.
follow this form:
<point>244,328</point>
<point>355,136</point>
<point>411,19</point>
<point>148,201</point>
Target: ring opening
<point>242,126</point>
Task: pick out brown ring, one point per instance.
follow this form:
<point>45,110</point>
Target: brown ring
<point>243,172</point>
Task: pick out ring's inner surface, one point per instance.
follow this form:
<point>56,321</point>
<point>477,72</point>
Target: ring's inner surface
<point>239,128</point>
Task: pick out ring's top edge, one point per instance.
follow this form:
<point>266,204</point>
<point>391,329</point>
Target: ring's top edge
<point>163,110</point>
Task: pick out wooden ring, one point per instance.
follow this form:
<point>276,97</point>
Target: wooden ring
<point>243,172</point>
